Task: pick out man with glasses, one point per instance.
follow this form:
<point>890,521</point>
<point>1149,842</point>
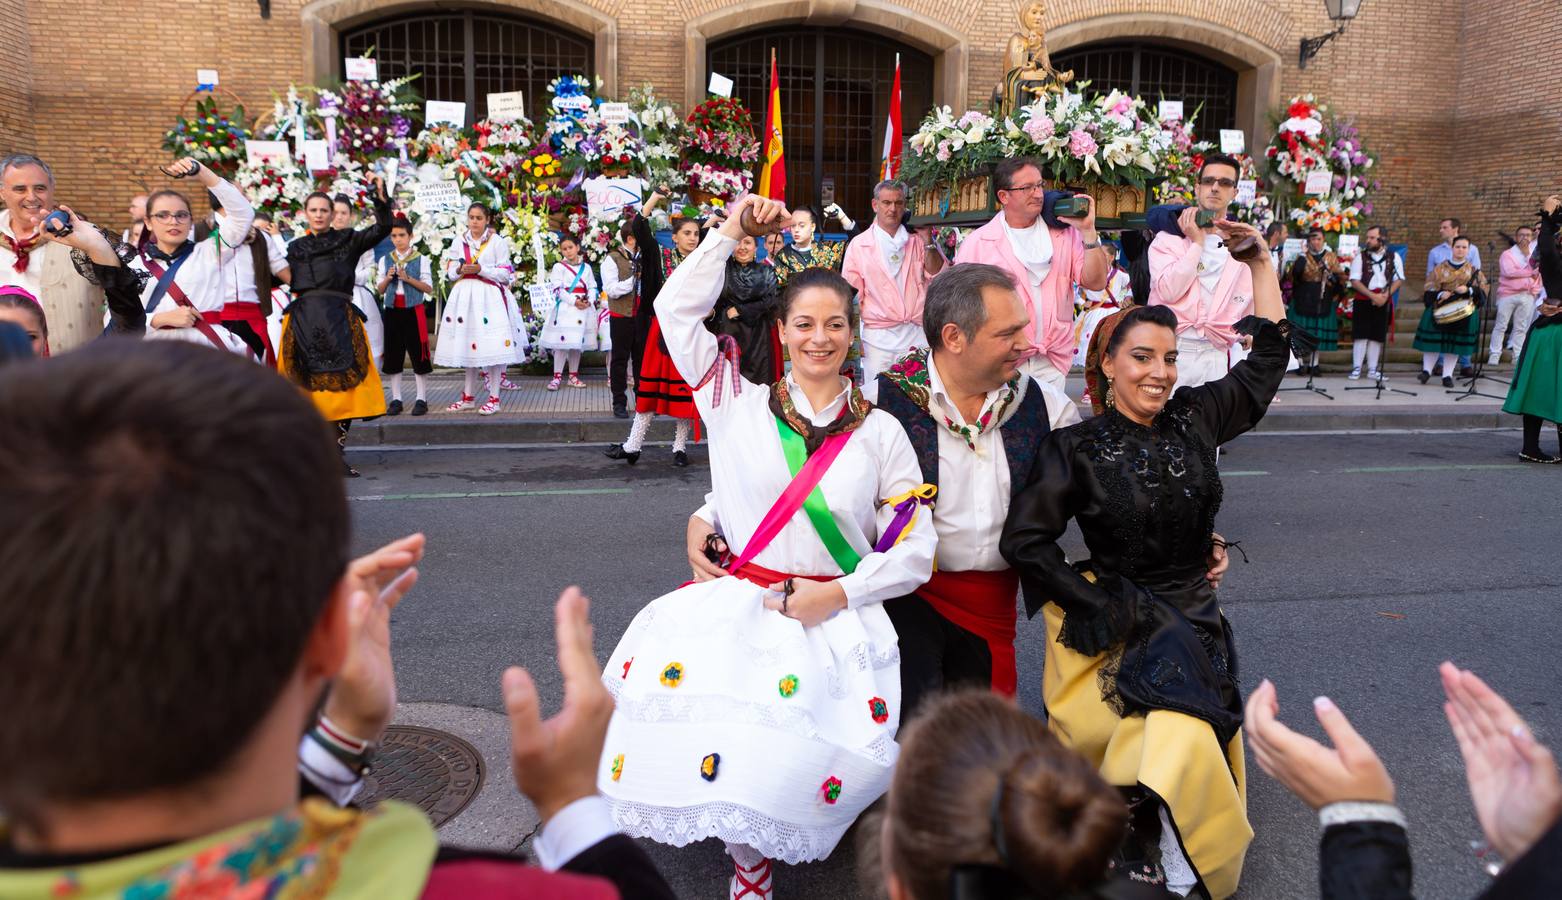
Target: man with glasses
<point>890,269</point>
<point>1048,262</point>
<point>1191,271</point>
<point>41,263</point>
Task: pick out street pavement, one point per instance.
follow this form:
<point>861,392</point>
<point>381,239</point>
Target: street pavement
<point>1372,557</point>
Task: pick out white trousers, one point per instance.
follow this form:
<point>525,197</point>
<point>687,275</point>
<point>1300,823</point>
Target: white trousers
<point>1041,368</point>
<point>1520,310</point>
<point>1199,361</point>
<point>882,348</point>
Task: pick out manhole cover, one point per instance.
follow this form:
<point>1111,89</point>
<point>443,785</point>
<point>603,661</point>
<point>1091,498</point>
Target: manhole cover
<point>431,769</point>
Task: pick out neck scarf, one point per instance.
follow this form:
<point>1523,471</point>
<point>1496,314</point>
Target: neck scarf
<point>910,374</point>
<point>852,415</point>
<point>22,249</point>
<point>157,253</point>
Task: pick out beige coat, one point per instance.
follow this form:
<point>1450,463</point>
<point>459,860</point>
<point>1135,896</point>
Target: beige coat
<point>72,304</point>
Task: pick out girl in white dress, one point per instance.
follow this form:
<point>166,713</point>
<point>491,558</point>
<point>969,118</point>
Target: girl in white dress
<point>761,708</point>
<point>572,323</point>
<point>182,291</point>
<point>480,328</point>
<point>343,216</point>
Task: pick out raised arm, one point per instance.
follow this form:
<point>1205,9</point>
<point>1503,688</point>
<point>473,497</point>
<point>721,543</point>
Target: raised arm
<point>369,238</point>
<point>239,216</point>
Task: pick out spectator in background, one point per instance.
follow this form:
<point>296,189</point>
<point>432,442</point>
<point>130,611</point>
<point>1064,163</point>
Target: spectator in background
<point>206,689</point>
<point>1518,284</point>
<point>1375,275</point>
<point>132,235</point>
<point>1365,853</point>
<point>45,266</point>
<point>1274,238</point>
<point>620,282</point>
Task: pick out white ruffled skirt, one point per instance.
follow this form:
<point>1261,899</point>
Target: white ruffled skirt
<point>803,721</point>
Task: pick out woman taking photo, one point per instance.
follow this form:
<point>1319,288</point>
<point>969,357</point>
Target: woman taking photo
<point>760,708</point>
<point>325,348</point>
<point>1536,393</point>
<point>1140,674</point>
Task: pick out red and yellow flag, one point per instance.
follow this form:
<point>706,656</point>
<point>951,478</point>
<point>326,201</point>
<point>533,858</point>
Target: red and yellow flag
<point>772,178</point>
<point>889,164</point>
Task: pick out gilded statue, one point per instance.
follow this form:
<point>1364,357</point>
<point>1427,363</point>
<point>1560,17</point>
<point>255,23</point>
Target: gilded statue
<point>1028,67</point>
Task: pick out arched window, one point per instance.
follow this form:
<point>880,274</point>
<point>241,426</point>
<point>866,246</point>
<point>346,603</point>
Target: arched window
<point>465,55</point>
<point>835,87</point>
<point>1157,72</point>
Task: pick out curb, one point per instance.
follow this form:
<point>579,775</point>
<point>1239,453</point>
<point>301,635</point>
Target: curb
<point>608,430</point>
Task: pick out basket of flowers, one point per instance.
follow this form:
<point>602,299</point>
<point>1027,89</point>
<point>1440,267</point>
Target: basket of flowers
<point>211,136</point>
<point>719,151</point>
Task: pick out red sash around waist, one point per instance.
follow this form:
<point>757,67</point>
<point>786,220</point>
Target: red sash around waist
<point>766,577</point>
<point>983,604</point>
<point>250,313</point>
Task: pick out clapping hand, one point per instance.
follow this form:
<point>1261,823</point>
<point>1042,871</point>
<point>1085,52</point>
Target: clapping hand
<point>363,697</point>
<point>556,760</point>
<point>1319,775</point>
<point>1513,778</point>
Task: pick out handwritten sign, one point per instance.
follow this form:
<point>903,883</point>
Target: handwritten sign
<point>1171,109</point>
<point>362,68</point>
<point>445,112</point>
<point>1318,182</point>
<point>267,153</point>
<point>1350,245</point>
<point>614,113</point>
<point>317,156</point>
<point>1293,248</point>
<point>205,79</point>
<point>507,107</point>
<point>1247,191</point>
<point>720,85</point>
<point>542,298</point>
<point>1232,140</point>
<point>607,198</point>
<point>438,196</point>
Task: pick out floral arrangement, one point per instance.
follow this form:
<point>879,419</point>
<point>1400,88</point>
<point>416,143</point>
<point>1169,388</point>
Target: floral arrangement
<point>525,226</point>
<point>372,117</point>
<point>1309,139</point>
<point>212,137</point>
<point>946,149</point>
<point>438,144</point>
<point>542,164</point>
<point>720,148</point>
<point>514,136</point>
<point>661,131</point>
<point>278,191</point>
<point>1113,139</point>
<point>1184,158</point>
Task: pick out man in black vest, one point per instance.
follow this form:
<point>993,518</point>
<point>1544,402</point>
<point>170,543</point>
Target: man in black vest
<point>975,422</point>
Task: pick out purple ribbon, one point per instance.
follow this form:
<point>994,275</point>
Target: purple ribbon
<point>904,512</point>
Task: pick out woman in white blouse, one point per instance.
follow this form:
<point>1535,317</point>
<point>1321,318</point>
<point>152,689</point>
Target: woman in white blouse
<point>761,708</point>
<point>183,292</point>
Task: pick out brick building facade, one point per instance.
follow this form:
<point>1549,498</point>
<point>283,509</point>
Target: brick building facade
<point>1453,96</point>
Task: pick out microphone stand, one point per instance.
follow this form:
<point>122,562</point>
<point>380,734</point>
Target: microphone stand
<point>1381,385</point>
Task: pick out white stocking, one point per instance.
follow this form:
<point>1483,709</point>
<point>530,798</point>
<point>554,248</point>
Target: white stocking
<point>637,430</point>
<point>681,435</point>
<point>420,381</point>
<point>495,375</point>
<point>471,383</point>
<point>1358,353</point>
<point>1374,355</point>
<point>396,386</point>
<point>1428,361</point>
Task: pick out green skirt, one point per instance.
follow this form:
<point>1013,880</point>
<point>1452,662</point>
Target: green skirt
<point>1460,340</point>
<point>1537,381</point>
<point>1325,328</point>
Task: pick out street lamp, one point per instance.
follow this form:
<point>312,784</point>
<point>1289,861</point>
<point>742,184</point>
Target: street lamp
<point>1341,11</point>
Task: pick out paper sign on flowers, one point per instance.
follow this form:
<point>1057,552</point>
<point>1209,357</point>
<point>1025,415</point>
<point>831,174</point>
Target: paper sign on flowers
<point>433,196</point>
<point>607,198</point>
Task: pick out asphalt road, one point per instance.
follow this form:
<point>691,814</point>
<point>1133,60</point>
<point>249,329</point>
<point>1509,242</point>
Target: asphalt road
<point>1373,557</point>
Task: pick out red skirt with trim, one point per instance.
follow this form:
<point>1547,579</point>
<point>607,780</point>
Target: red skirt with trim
<point>660,389</point>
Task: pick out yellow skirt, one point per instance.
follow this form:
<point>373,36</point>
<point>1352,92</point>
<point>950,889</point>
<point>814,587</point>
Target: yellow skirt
<point>363,401</point>
<point>1172,754</point>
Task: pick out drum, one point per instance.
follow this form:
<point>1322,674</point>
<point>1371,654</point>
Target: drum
<point>1453,311</point>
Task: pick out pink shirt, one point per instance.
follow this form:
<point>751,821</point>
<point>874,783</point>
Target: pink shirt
<point>1051,304</point>
<point>1516,274</point>
<point>886,301</point>
<point>1174,282</point>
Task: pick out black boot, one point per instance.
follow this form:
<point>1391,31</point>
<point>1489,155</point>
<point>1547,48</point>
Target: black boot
<point>341,445</point>
<point>617,451</point>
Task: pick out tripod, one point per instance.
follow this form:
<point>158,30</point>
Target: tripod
<point>1309,387</point>
<point>1488,315</point>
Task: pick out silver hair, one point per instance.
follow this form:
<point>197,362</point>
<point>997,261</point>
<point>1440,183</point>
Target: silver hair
<point>17,160</point>
<point>955,297</point>
<point>890,185</point>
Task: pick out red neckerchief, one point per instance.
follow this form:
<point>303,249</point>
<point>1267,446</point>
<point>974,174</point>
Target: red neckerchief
<point>22,249</point>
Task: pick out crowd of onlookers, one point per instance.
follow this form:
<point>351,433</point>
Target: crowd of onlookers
<point>172,693</point>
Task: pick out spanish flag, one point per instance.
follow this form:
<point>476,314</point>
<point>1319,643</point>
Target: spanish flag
<point>889,165</point>
<point>772,178</point>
